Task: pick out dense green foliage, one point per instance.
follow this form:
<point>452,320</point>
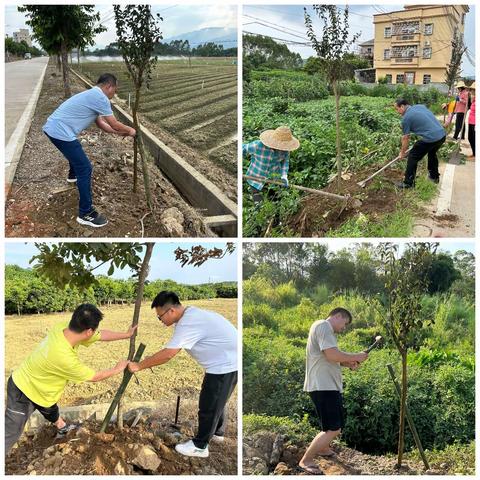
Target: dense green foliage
<point>27,292</point>
<point>293,287</point>
<point>370,135</point>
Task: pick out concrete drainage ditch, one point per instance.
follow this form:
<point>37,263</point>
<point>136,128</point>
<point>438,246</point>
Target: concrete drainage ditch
<point>220,213</point>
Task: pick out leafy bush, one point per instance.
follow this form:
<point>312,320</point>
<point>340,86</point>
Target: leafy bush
<point>297,430</point>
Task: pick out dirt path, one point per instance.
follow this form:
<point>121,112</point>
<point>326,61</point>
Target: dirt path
<point>42,204</point>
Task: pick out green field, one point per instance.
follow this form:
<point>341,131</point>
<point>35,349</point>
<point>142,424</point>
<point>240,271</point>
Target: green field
<point>370,136</point>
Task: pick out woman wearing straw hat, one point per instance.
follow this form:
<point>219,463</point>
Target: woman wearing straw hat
<point>269,155</point>
<point>460,109</point>
<point>471,122</point>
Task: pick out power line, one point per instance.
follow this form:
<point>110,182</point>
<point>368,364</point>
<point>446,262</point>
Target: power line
<point>275,24</point>
<point>278,29</point>
<point>287,42</point>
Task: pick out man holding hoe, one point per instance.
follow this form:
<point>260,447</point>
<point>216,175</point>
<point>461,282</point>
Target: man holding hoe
<point>67,121</point>
<point>38,383</point>
<point>212,341</point>
<point>323,382</point>
<point>418,119</point>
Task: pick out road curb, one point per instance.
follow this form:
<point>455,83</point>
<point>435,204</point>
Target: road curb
<point>14,148</point>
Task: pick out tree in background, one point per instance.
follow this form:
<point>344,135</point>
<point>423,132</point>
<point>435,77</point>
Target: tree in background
<point>454,68</point>
<point>138,32</point>
<point>332,50</point>
<point>61,28</point>
<point>313,65</point>
<point>260,51</point>
<point>406,282</point>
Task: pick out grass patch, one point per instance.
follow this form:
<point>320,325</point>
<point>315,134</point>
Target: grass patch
<point>298,431</point>
<point>456,459</point>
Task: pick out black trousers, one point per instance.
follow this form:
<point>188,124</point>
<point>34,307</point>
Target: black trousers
<point>418,151</point>
<point>471,137</point>
<point>458,125</point>
<point>212,412</point>
<point>18,411</point>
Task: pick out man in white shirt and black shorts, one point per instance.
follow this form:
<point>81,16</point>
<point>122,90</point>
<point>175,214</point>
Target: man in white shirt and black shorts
<point>323,382</point>
<point>212,341</point>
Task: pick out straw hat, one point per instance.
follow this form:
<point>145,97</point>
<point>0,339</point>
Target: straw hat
<point>460,84</point>
<point>280,139</point>
<point>472,86</point>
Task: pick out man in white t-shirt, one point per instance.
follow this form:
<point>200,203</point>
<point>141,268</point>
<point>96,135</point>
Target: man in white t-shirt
<point>323,382</point>
<point>212,341</point>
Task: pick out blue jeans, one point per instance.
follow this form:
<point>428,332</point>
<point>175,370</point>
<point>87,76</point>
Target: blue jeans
<point>81,168</point>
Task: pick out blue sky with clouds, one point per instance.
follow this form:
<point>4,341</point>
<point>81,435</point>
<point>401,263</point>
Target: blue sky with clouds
<point>289,19</point>
<point>162,266</point>
<point>177,19</point>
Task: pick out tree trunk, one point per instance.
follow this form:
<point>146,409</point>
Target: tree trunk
<point>66,79</point>
<point>136,314</point>
<point>403,403</point>
<point>337,127</point>
<point>138,143</point>
<point>126,378</point>
<point>78,56</point>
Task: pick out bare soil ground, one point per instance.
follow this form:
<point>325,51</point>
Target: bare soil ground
<point>42,204</point>
<point>178,108</point>
<point>319,214</point>
<point>266,453</point>
<point>88,453</point>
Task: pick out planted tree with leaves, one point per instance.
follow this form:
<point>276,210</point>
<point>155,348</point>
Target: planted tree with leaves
<point>333,51</point>
<point>71,264</point>
<point>61,28</point>
<point>138,33</point>
<point>406,282</point>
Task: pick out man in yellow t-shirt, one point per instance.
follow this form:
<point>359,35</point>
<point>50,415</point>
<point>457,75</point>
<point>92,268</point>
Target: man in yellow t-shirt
<point>38,383</point>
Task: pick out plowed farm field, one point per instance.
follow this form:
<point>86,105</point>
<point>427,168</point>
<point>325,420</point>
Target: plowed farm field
<point>192,108</point>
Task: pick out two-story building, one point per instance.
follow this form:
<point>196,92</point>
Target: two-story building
<point>413,45</point>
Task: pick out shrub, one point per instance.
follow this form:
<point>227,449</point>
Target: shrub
<point>258,314</point>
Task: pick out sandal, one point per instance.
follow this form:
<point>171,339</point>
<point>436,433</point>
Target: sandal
<point>311,470</point>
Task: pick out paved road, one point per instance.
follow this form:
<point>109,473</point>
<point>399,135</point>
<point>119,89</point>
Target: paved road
<point>456,199</point>
<point>20,80</point>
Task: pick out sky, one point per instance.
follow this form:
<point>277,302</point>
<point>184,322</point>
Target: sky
<point>177,19</point>
<point>162,265</point>
<point>290,18</point>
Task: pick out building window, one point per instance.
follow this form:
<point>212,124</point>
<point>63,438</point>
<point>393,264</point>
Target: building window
<point>388,78</point>
<point>429,29</point>
<point>388,32</point>
<point>427,79</point>
<point>369,50</point>
<point>463,19</point>
<point>427,52</point>
<point>406,28</point>
<point>386,54</point>
<point>405,51</point>
<point>400,78</point>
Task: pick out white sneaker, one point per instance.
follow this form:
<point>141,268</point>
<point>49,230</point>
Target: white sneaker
<point>190,450</point>
<point>218,439</point>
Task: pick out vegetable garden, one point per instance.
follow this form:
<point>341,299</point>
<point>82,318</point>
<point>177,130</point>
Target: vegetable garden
<point>192,107</point>
<point>370,137</point>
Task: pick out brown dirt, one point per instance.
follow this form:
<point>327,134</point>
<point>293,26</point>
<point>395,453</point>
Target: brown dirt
<point>42,204</point>
<point>88,452</point>
<point>319,214</point>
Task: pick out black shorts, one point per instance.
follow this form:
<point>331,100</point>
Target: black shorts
<point>329,407</point>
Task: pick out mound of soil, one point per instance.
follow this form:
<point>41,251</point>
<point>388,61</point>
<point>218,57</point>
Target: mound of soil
<point>148,448</point>
<point>42,204</point>
<point>319,214</point>
<point>267,453</point>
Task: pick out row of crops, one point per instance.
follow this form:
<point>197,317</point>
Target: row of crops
<point>196,103</point>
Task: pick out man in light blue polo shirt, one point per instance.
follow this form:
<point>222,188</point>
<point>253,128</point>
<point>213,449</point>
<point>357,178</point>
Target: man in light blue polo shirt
<point>418,119</point>
<point>67,121</point>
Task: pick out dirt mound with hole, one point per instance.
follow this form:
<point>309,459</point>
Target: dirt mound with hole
<point>147,448</point>
<point>42,204</point>
<point>318,214</point>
